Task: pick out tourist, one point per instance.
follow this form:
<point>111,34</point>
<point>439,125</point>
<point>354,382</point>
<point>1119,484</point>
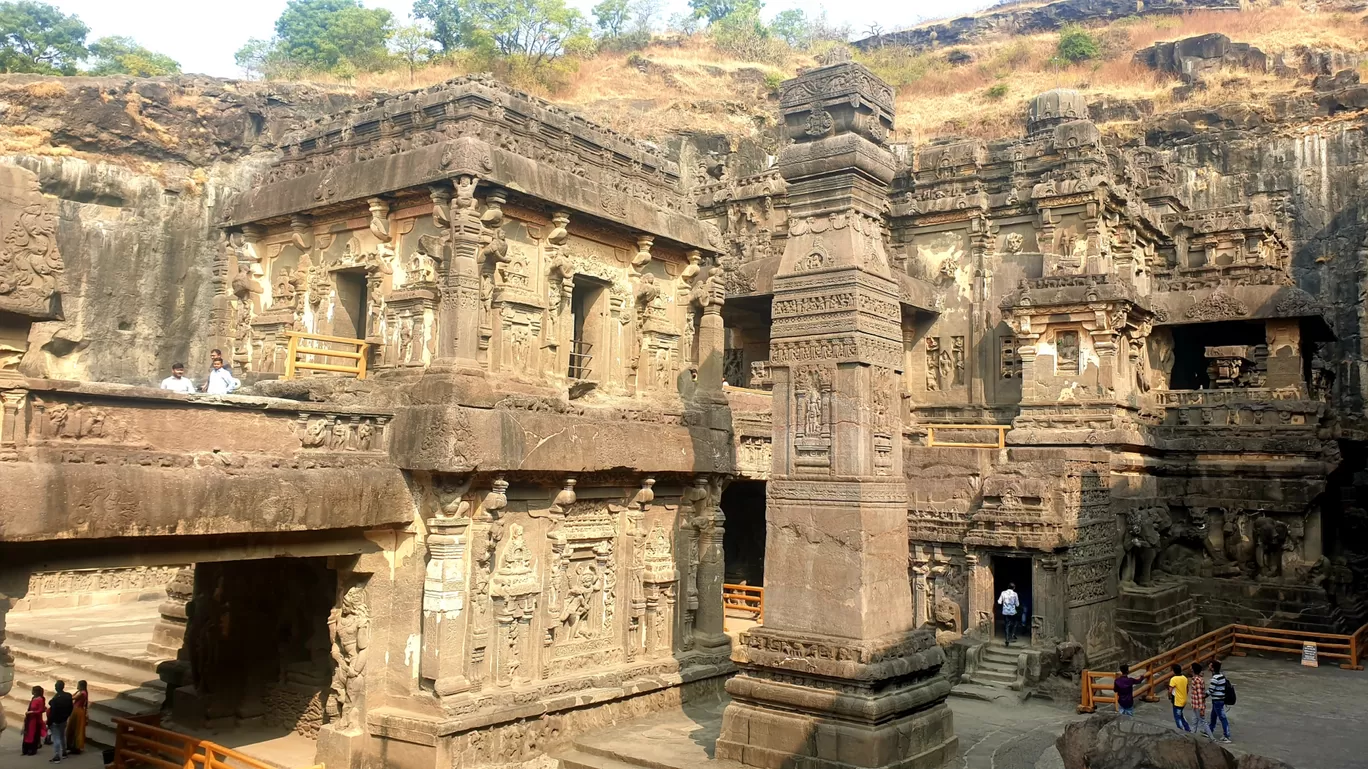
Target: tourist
<point>217,355</point>
<point>1178,695</point>
<point>1197,693</point>
<point>178,382</point>
<point>221,380</point>
<point>76,726</point>
<point>1009,603</point>
<point>1220,692</point>
<point>58,714</point>
<point>1124,686</point>
<point>34,730</point>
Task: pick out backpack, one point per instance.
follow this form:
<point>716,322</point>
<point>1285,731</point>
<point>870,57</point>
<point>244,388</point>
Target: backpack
<point>1229,693</point>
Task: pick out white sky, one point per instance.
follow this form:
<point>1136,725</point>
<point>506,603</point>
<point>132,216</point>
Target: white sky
<point>203,36</point>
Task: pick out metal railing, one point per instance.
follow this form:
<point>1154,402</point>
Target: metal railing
<point>1001,436</point>
<point>1231,640</point>
<point>580,358</point>
<point>744,598</point>
<point>139,743</point>
<point>293,364</point>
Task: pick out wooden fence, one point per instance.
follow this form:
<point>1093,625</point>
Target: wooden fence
<point>1001,436</point>
<point>1231,640</point>
<point>139,743</point>
<point>357,356</point>
<point>744,598</point>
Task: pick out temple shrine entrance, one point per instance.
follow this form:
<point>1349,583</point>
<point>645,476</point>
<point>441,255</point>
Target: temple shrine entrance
<point>349,318</point>
<point>1015,570</point>
<point>743,503</point>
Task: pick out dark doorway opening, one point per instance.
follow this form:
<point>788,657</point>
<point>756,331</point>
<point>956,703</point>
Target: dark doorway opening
<point>743,502</point>
<point>1009,570</point>
<point>350,316</point>
<point>588,307</point>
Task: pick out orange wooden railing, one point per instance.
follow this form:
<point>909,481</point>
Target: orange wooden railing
<point>356,368</point>
<point>1231,640</point>
<point>745,598</point>
<point>1001,436</point>
<point>139,743</point>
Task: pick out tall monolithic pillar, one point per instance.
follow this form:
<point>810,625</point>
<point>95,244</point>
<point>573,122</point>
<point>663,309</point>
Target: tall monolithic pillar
<point>838,676</point>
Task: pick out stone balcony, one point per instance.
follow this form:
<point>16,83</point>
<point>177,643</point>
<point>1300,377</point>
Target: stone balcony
<point>84,461</point>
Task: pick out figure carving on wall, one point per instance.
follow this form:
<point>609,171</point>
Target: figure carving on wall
<point>1270,535</point>
<point>933,376</point>
<point>349,630</point>
<point>1141,545</point>
<point>947,619</point>
<point>945,368</point>
<point>575,617</point>
<point>1013,243</point>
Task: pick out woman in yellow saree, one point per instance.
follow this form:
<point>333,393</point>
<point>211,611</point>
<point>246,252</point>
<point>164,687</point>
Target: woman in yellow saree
<point>76,725</point>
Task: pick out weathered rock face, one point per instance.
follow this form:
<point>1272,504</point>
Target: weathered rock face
<point>1108,741</point>
<point>136,207</point>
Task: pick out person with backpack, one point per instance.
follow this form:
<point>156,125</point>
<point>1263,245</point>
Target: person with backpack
<point>1178,695</point>
<point>1222,695</point>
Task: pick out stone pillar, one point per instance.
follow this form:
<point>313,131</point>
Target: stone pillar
<point>458,317</point>
<point>711,334</point>
<point>169,634</point>
<point>1284,353</point>
<point>838,676</point>
<point>706,496</point>
<point>12,427</point>
<point>981,613</point>
<point>442,662</point>
<point>13,586</point>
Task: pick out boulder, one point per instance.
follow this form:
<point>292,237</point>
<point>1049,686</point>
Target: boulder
<point>1108,741</point>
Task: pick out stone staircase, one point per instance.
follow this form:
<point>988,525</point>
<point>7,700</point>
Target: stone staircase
<point>118,687</point>
<point>994,674</point>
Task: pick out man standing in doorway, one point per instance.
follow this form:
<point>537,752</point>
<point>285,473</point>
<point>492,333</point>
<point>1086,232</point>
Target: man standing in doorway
<point>1011,604</point>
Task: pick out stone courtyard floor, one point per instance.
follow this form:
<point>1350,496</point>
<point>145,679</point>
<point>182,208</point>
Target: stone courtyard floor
<point>1306,717</point>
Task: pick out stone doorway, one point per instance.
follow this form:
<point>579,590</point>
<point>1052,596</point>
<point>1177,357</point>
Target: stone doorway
<point>743,503</point>
<point>257,649</point>
<point>1012,569</point>
<point>349,318</point>
<point>588,309</point>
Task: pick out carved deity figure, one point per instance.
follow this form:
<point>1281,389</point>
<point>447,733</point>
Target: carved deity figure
<point>812,413</point>
<point>349,631</point>
<point>1141,545</point>
<point>1270,535</point>
<point>947,619</point>
<point>283,293</point>
<point>1239,541</point>
<point>575,616</point>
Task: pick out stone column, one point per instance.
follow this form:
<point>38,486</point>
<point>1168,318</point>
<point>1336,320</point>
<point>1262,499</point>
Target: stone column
<point>13,586</point>
<point>706,496</point>
<point>12,428</point>
<point>838,676</point>
<point>442,663</point>
<point>981,615</point>
<point>169,634</point>
<point>458,317</point>
<point>711,334</point>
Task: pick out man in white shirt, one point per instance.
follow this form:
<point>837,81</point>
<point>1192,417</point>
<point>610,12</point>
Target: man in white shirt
<point>221,380</point>
<point>1011,604</point>
<point>177,382</point>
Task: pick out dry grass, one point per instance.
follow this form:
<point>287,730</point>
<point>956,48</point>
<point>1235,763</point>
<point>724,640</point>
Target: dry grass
<point>28,140</point>
<point>936,99</point>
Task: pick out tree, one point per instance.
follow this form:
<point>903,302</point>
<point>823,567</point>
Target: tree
<point>792,27</point>
<point>252,58</point>
<point>717,10</point>
<point>412,44</point>
<point>123,56</point>
<point>38,38</point>
<point>612,16</point>
<point>323,34</point>
<point>444,16</point>
<point>742,33</point>
<point>536,29</point>
<point>1075,45</point>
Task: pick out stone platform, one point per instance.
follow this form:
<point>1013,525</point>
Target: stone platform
<point>1155,618</point>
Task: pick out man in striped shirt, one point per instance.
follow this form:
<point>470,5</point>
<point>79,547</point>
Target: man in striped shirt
<point>1198,689</point>
<point>1216,688</point>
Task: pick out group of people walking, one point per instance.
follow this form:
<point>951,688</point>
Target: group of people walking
<point>60,723</point>
<point>219,382</point>
<point>1184,690</point>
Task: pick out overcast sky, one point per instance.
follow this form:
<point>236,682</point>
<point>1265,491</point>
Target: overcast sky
<point>203,36</point>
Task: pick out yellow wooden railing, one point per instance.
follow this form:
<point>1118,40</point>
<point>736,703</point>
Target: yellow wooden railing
<point>1231,640</point>
<point>356,368</point>
<point>1001,436</point>
<point>745,598</point>
<point>140,743</point>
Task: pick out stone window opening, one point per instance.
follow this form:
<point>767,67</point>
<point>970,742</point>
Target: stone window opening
<point>1192,368</point>
<point>588,307</point>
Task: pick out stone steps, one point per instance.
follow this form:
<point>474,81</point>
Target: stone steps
<point>119,688</point>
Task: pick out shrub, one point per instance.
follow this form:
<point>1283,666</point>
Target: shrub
<point>1075,45</point>
<point>996,92</point>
